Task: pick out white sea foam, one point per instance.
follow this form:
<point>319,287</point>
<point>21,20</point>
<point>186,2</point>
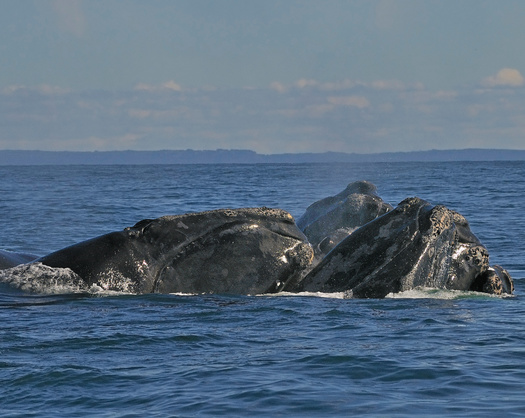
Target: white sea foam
<point>185,294</point>
<point>433,293</point>
<point>42,279</point>
<point>418,293</point>
<point>332,295</point>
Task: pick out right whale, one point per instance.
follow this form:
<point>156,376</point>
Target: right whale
<point>415,245</point>
<point>328,221</point>
<point>229,251</point>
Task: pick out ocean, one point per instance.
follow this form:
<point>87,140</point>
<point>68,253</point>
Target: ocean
<point>419,353</point>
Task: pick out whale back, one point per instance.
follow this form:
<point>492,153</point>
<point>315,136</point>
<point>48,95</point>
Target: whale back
<point>328,221</point>
<point>238,251</point>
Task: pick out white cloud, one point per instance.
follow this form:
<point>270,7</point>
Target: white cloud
<point>446,94</point>
<point>13,89</point>
<point>171,85</point>
<point>82,143</point>
<point>319,110</point>
<point>278,87</point>
<point>327,86</point>
<point>339,85</point>
<point>120,142</point>
<point>357,101</point>
<point>346,84</point>
<point>388,85</point>
<point>303,82</point>
<point>139,113</point>
<point>167,86</point>
<point>178,112</point>
<point>505,77</point>
<point>394,85</point>
<point>45,89</point>
<point>319,118</point>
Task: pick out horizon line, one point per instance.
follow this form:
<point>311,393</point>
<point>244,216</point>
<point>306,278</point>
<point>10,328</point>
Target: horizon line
<point>265,154</point>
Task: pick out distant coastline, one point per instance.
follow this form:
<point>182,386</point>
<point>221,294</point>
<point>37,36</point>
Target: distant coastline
<point>222,156</point>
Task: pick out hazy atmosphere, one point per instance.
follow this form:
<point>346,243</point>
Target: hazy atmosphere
<point>271,76</point>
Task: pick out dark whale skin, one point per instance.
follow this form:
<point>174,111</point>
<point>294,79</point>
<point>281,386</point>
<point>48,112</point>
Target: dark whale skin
<point>235,251</point>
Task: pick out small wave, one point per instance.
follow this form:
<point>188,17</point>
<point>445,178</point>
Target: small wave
<point>186,294</point>
<point>418,293</point>
<point>433,293</point>
<point>37,278</point>
<point>98,291</point>
<point>332,295</point>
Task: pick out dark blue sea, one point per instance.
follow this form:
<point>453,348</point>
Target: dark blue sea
<point>423,353</point>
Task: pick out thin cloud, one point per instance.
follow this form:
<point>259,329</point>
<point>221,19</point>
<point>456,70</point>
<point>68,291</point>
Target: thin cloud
<point>346,84</point>
<point>509,77</point>
<point>167,86</point>
<point>362,118</point>
<point>45,89</point>
<point>357,101</point>
<point>340,85</point>
<point>393,85</point>
<point>304,82</point>
<point>278,87</point>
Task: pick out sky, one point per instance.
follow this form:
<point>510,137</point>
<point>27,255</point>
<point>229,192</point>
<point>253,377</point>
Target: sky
<point>273,76</point>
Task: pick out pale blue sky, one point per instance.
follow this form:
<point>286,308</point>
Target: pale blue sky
<point>268,75</point>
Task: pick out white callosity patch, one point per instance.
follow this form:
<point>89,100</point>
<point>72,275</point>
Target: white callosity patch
<point>181,224</point>
<point>239,229</point>
<point>292,251</point>
<point>461,248</point>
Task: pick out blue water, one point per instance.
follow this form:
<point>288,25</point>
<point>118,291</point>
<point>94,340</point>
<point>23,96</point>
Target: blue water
<point>427,353</point>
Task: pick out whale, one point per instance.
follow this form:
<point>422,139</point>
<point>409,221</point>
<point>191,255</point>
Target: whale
<point>229,251</point>
<point>414,245</point>
<point>373,250</point>
<point>328,221</point>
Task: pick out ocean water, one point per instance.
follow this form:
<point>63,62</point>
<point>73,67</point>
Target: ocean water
<point>421,353</point>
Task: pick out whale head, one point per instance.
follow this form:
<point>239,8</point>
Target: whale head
<point>240,251</point>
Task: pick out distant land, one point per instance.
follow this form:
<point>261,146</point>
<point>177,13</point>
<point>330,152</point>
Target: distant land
<point>222,156</point>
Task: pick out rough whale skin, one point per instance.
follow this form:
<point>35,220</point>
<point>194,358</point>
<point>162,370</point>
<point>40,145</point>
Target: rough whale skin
<point>237,251</point>
<point>262,250</point>
<point>328,221</point>
<point>415,245</point>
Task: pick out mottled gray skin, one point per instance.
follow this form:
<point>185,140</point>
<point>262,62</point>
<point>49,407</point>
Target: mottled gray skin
<point>495,280</point>
<point>330,220</point>
<point>416,244</point>
<point>237,251</point>
<point>10,259</point>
